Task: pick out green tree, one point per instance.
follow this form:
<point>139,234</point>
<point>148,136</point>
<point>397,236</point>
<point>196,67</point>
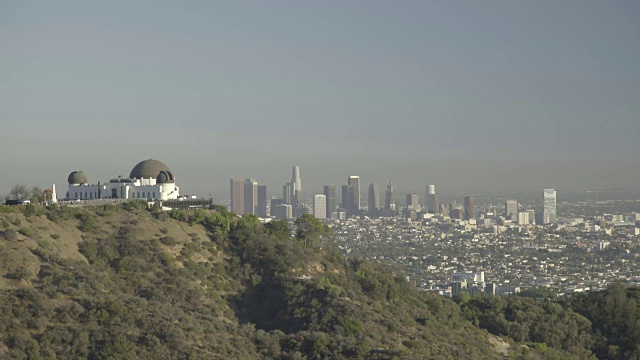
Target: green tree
<point>36,194</point>
<point>279,229</point>
<point>309,230</point>
<point>19,192</point>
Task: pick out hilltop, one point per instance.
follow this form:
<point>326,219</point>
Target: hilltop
<point>123,282</point>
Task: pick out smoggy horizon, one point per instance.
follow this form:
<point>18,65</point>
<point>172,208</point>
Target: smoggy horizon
<point>492,96</point>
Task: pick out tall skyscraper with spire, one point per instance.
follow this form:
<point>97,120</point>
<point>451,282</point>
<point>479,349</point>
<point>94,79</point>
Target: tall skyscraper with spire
<point>374,200</point>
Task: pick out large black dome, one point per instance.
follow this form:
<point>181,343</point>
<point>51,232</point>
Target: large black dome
<point>77,177</point>
<point>148,169</point>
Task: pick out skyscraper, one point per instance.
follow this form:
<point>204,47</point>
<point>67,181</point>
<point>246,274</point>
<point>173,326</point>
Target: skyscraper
<point>549,206</point>
<point>353,208</point>
<point>283,211</point>
<point>250,196</point>
<point>320,206</point>
<point>262,201</point>
<point>469,208</point>
<point>330,194</point>
<point>274,203</point>
<point>532,216</point>
<point>345,197</point>
<point>511,209</point>
<point>432,204</point>
<point>296,183</point>
<point>237,195</point>
<point>389,198</point>
<point>374,200</point>
<point>287,190</point>
<point>523,218</point>
<point>412,202</point>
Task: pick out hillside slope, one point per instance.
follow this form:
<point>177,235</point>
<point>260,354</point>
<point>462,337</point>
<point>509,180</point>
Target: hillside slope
<point>123,282</point>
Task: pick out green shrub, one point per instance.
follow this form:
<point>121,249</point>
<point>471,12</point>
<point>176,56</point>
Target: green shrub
<point>6,209</point>
<point>28,210</point>
<point>87,222</point>
<point>10,235</point>
<point>55,236</point>
<point>168,240</point>
<point>26,232</point>
<point>44,244</point>
<point>20,274</point>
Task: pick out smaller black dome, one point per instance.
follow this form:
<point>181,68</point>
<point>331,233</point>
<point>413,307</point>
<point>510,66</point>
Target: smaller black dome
<point>164,177</point>
<point>77,177</point>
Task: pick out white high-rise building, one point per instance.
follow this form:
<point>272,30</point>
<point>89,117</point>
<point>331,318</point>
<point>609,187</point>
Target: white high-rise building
<point>549,206</point>
<point>320,206</point>
<point>523,218</point>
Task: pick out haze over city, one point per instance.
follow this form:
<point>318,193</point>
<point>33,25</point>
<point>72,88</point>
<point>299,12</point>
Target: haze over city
<point>470,96</point>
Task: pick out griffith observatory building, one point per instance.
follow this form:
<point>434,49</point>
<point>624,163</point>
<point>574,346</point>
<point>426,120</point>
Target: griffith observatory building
<point>148,180</point>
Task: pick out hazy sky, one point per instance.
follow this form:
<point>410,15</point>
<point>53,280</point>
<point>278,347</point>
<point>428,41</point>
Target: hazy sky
<point>465,94</point>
